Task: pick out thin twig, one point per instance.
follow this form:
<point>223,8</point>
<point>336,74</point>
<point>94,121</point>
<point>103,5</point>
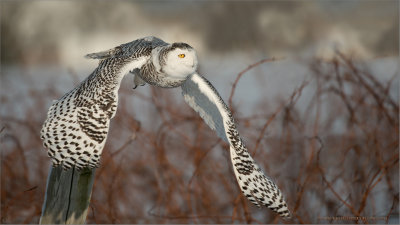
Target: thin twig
<point>242,73</point>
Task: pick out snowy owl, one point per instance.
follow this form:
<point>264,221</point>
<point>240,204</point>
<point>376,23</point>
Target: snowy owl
<point>77,124</point>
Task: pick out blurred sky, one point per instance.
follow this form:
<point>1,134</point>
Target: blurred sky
<point>62,32</point>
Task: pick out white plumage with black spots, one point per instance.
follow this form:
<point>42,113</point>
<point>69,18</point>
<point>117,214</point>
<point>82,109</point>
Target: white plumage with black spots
<point>200,94</point>
<point>77,124</point>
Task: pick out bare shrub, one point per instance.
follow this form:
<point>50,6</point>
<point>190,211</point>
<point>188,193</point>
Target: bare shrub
<point>339,157</point>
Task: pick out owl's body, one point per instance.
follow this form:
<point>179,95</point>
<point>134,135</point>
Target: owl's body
<point>76,127</point>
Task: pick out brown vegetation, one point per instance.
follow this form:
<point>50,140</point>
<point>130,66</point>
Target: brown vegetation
<point>179,172</point>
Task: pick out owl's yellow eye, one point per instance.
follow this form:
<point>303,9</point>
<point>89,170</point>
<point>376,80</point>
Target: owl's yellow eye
<point>181,55</point>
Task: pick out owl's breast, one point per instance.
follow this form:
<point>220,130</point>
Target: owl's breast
<point>159,78</point>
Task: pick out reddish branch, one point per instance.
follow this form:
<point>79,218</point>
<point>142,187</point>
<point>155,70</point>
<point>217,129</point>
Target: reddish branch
<point>242,73</point>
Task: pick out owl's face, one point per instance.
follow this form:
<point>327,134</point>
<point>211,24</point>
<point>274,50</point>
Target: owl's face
<point>179,61</point>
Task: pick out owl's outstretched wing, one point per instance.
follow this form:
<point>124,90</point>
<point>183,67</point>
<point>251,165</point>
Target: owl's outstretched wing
<point>77,124</point>
<point>135,49</point>
<point>199,93</point>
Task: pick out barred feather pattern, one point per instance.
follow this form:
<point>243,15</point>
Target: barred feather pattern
<point>255,185</point>
<point>77,124</point>
<point>201,95</point>
<point>76,127</point>
<point>151,75</point>
<point>157,78</point>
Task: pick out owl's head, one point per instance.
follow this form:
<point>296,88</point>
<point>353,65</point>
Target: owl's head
<point>178,60</point>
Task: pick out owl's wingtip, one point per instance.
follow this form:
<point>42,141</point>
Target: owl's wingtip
<point>88,56</point>
<point>286,215</point>
<point>93,56</point>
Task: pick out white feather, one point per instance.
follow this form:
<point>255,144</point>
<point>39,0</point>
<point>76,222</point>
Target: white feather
<point>257,187</point>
